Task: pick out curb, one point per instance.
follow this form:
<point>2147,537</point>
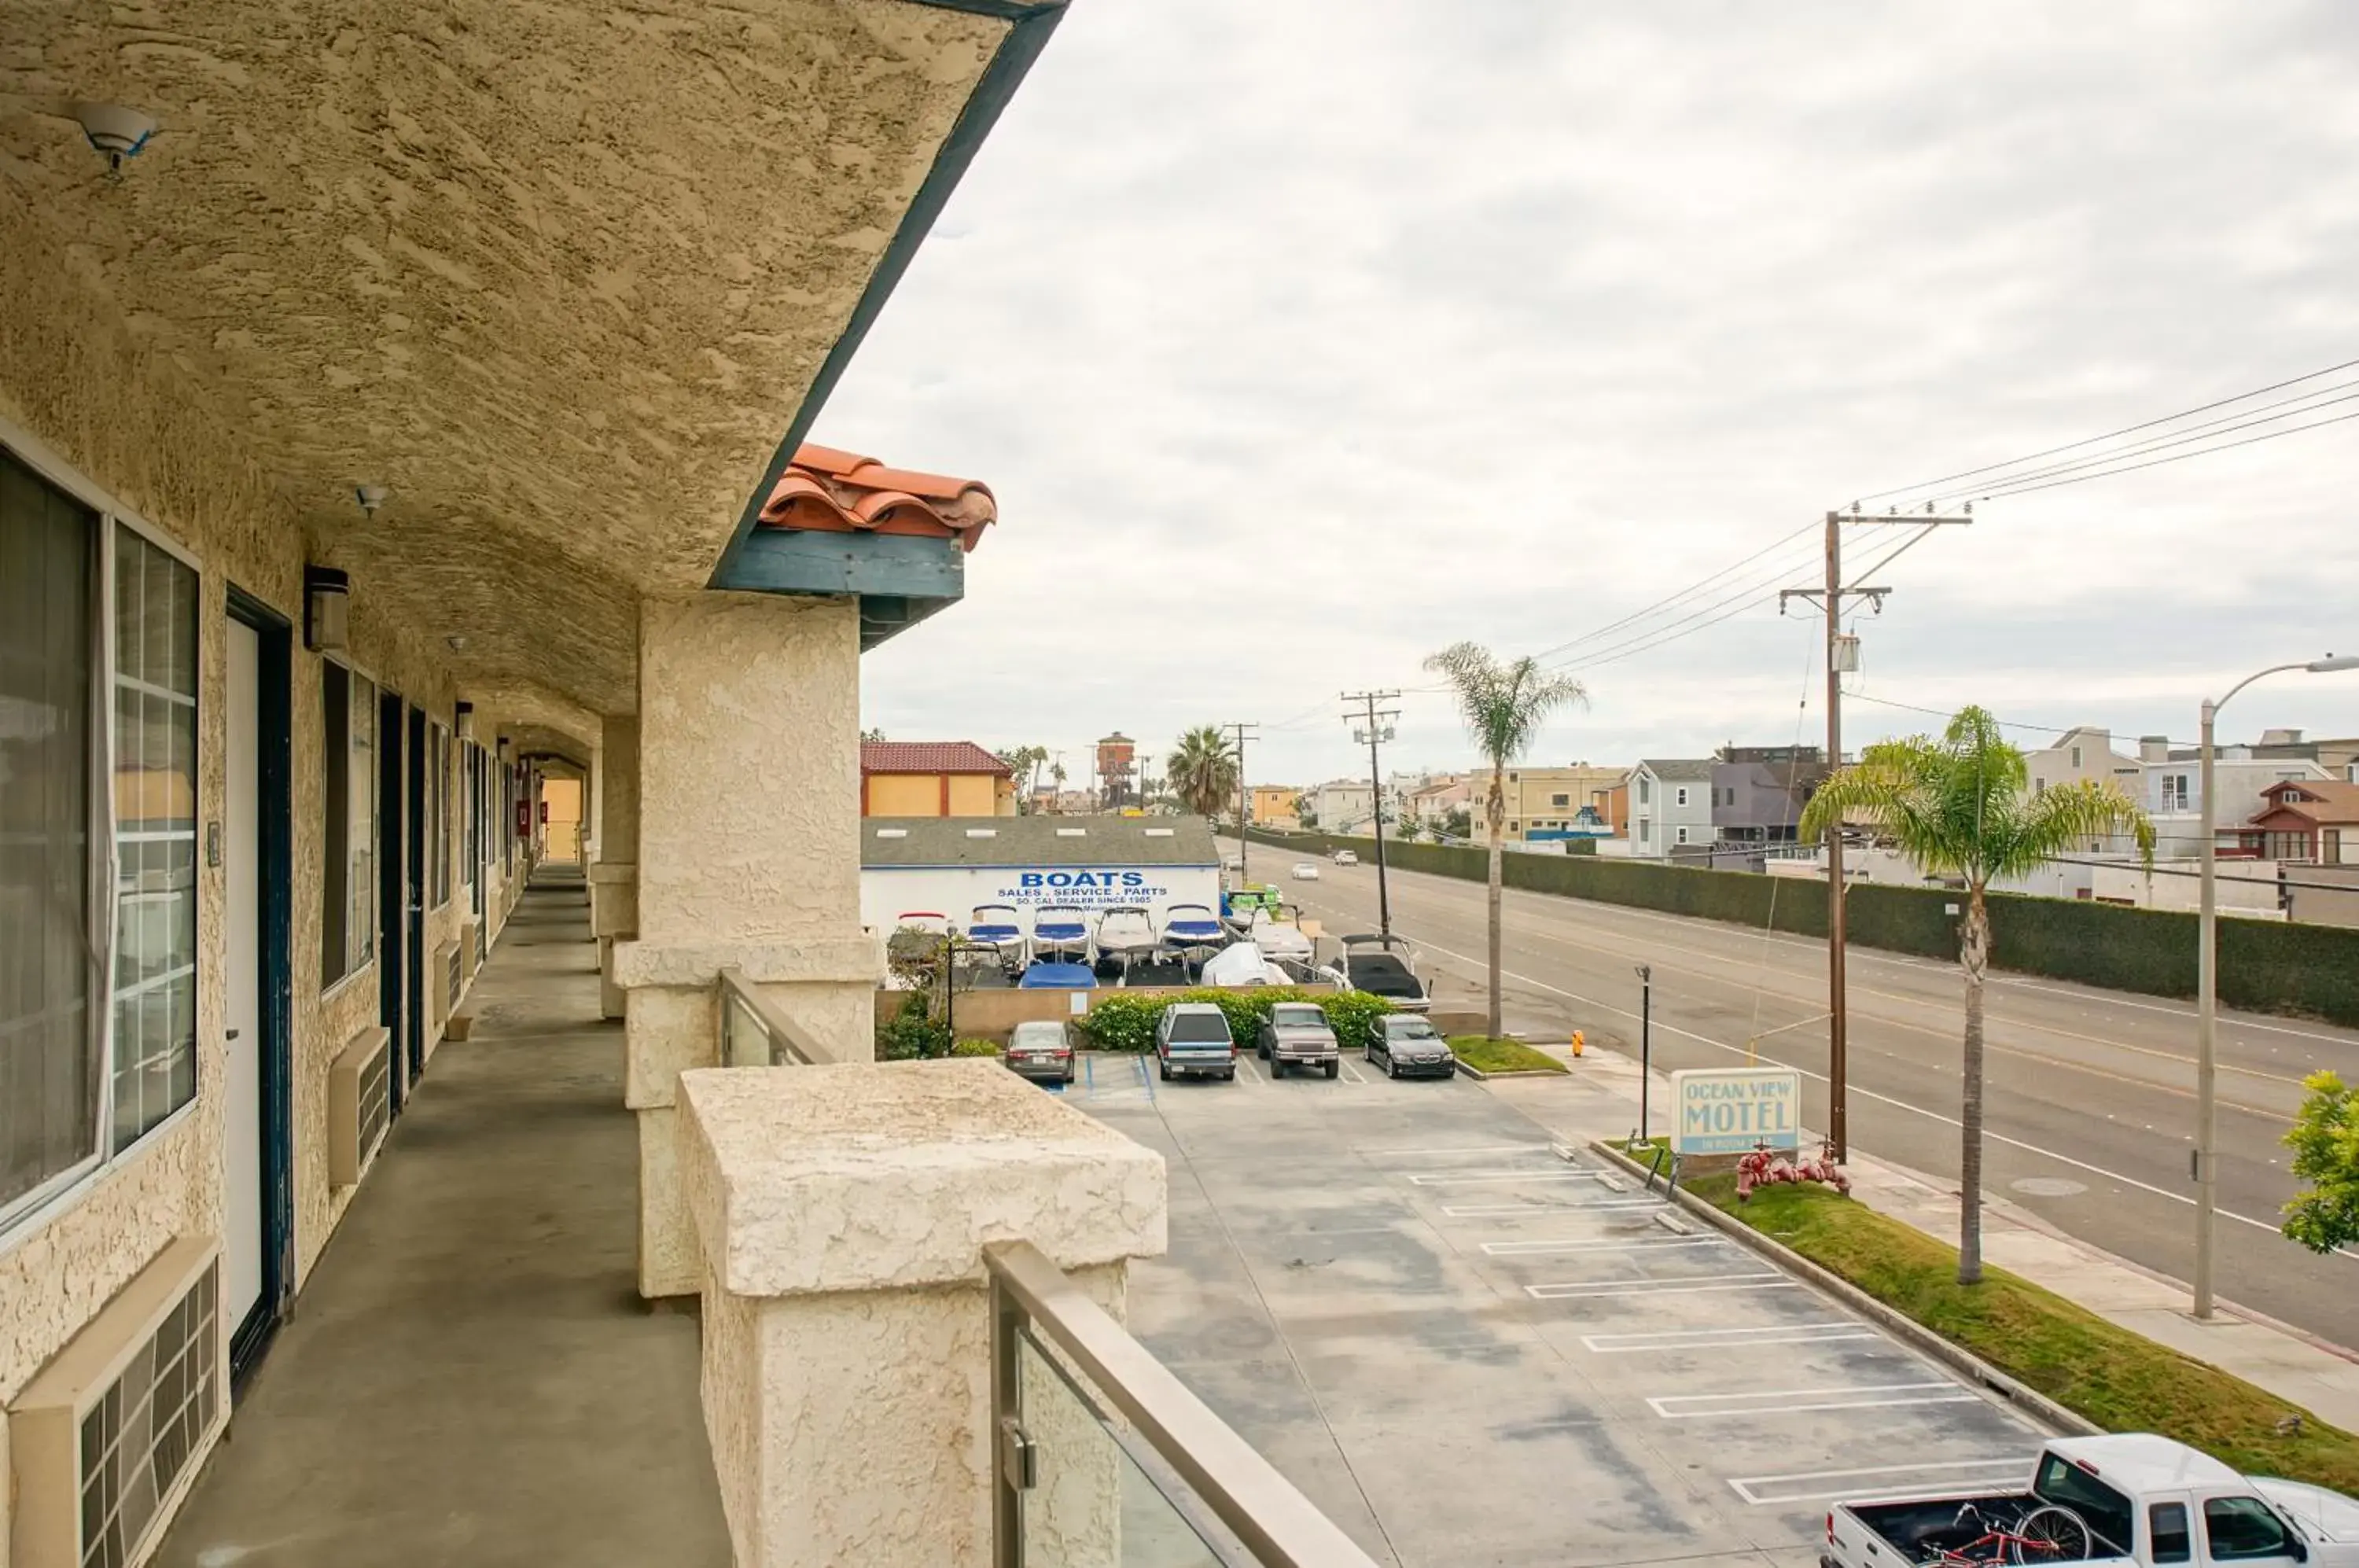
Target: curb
<point>1468,1068</point>
<point>1981,1373</point>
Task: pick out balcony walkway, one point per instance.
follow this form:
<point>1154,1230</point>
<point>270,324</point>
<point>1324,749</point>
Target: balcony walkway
<point>469,1376</point>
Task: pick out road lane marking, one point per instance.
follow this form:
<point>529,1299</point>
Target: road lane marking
<point>1646,1243</point>
<point>1676,1339</point>
<point>1496,1178</point>
<point>1633,1204</point>
<point>1765,1491</point>
<point>1834,1396</point>
<point>1590,1290</point>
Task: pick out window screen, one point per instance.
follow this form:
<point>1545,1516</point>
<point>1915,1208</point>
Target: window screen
<point>48,963</point>
<point>348,821</point>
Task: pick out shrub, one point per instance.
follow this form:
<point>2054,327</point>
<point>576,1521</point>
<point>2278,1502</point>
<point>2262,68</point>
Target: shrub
<point>1352,1016</point>
<point>1123,1022</point>
<point>912,1033</point>
<point>975,1047</point>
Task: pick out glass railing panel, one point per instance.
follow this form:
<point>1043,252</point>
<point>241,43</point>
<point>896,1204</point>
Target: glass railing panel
<point>1093,1502</point>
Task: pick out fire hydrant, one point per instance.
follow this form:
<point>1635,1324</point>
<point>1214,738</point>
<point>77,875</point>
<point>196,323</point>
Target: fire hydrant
<point>1578,1043</point>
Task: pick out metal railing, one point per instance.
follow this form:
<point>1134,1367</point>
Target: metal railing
<point>1105,1455</point>
<point>756,1032</point>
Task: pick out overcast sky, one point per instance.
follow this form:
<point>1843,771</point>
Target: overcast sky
<point>1299,341</point>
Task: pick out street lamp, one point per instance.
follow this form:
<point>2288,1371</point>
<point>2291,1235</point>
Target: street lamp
<point>2207,974</point>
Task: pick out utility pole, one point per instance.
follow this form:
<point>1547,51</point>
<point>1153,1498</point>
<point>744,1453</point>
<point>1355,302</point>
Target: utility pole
<point>1842,653</point>
<point>1376,730</point>
<point>1239,735</point>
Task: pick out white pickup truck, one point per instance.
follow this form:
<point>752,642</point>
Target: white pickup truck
<point>2112,1500</point>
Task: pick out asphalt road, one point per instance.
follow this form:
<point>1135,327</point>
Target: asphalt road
<point>2090,1100</point>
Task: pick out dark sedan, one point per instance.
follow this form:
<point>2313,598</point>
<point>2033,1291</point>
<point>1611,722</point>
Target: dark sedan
<point>1408,1046</point>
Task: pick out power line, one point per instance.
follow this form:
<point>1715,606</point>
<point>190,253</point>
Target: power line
<point>2110,435</point>
<point>2176,457</point>
<point>1378,729</point>
<point>1683,593</point>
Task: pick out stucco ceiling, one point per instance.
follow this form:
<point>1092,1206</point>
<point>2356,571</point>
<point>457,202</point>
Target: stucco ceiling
<point>557,274</point>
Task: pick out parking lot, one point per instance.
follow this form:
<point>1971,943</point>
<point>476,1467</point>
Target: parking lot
<point>1468,1349</point>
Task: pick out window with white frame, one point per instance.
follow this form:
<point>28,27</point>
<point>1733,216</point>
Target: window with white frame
<point>348,823</point>
<point>1644,791</point>
<point>2174,792</point>
<point>98,681</point>
<point>438,811</point>
<point>1646,831</point>
<point>1683,832</point>
<point>1679,796</point>
<point>2076,759</point>
<point>155,1056</point>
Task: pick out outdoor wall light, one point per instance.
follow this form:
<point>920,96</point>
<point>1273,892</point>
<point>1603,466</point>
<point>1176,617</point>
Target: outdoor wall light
<point>114,131</point>
<point>464,719</point>
<point>370,496</point>
<point>326,608</point>
<point>458,644</point>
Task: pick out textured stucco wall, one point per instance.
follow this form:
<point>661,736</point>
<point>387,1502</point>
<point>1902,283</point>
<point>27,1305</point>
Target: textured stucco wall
<point>840,1216</point>
<point>130,421</point>
<point>558,275</point>
<point>748,833</point>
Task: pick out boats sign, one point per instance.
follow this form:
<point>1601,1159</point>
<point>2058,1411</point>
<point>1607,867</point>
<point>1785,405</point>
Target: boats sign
<point>1734,1110</point>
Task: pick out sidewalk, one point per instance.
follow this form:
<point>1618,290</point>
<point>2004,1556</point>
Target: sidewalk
<point>1601,1101</point>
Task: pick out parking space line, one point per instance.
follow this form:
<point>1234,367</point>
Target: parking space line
<point>1479,1148</point>
<point>1674,1339</point>
<point>1836,1397</point>
<point>1252,1074</point>
<point>1633,1204</point>
<point>1492,1178</point>
<point>1711,1284</point>
<point>1351,1074</point>
<point>1766,1491</point>
<point>1647,1244</point>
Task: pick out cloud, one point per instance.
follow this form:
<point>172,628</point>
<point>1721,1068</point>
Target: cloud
<point>1299,341</point>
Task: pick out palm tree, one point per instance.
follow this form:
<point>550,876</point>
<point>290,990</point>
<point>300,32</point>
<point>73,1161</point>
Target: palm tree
<point>1202,771</point>
<point>1503,706</point>
<point>1057,776</point>
<point>1959,807</point>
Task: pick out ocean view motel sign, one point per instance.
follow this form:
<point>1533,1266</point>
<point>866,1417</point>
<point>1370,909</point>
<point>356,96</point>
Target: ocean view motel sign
<point>1733,1110</point>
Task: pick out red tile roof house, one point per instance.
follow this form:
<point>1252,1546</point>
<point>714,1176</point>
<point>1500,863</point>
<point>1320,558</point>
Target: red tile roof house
<point>933,779</point>
<point>2305,819</point>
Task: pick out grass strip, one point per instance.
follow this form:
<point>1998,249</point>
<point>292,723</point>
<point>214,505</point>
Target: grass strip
<point>1503,1055</point>
<point>2118,1378</point>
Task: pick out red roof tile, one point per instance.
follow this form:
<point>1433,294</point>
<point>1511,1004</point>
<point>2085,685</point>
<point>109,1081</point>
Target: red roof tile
<point>828,490</point>
<point>928,757</point>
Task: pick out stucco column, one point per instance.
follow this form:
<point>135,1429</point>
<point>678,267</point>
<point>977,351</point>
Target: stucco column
<point>840,1217</point>
<point>614,876</point>
<point>748,858</point>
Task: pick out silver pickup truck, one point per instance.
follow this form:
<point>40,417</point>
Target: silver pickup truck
<point>2130,1499</point>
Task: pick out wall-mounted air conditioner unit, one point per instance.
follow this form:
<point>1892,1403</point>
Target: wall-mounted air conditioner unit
<point>445,964</point>
<point>103,1441</point>
<point>360,1104</point>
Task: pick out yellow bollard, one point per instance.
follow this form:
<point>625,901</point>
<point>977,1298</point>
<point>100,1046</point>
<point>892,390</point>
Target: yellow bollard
<point>1577,1042</point>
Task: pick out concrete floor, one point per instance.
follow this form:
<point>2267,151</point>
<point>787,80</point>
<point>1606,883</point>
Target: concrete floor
<point>469,1377</point>
<point>1466,1350</point>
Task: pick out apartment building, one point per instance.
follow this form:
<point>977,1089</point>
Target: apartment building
<point>933,779</point>
<point>1549,804</point>
<point>419,416</point>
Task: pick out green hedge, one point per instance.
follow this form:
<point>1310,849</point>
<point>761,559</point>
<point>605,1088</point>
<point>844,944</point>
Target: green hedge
<point>1126,1023</point>
<point>2271,967</point>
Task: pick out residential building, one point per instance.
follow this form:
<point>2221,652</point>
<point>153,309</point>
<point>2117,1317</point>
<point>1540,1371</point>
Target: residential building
<point>1670,807</point>
<point>2172,780</point>
<point>1272,805</point>
<point>1546,804</point>
<point>2304,820</point>
<point>1433,802</point>
<point>1758,791</point>
<point>1343,806</point>
<point>933,779</point>
<point>2084,752</point>
<point>315,575</point>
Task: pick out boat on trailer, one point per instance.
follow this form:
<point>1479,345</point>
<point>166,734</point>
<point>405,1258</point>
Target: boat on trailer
<point>1061,934</point>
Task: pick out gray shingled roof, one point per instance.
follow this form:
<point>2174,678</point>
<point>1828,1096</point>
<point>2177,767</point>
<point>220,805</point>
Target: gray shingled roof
<point>1036,841</point>
<point>1686,770</point>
